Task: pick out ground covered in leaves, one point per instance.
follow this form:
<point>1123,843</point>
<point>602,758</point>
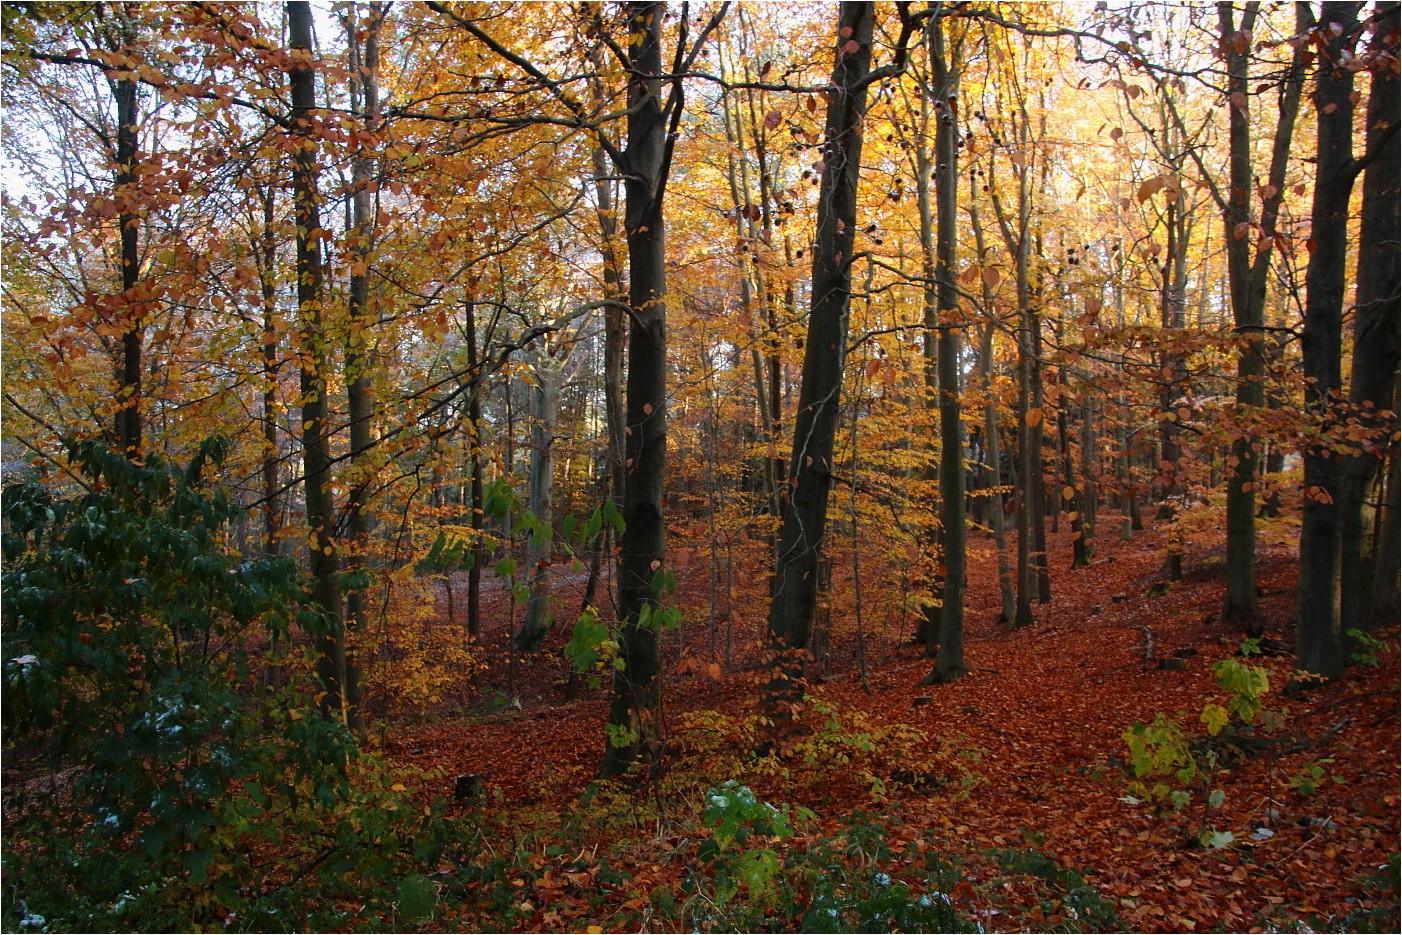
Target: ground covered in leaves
<point>1002,802</point>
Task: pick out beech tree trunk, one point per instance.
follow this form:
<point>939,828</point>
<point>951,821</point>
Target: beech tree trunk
<point>265,255</point>
<point>794,588</point>
<point>359,391</point>
<point>316,458</point>
<point>476,492</point>
<point>949,664</point>
<point>1369,584</point>
<point>545,392</point>
<point>1318,644</point>
<point>634,733</point>
<point>128,420</point>
<point>1247,283</point>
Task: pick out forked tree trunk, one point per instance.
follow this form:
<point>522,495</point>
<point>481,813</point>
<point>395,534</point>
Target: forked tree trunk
<point>1247,282</point>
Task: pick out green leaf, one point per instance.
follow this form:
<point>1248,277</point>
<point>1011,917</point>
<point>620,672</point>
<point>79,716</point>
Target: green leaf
<point>1216,840</point>
<point>1215,717</point>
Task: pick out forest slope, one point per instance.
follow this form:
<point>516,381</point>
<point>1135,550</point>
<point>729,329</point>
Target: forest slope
<point>1021,761</point>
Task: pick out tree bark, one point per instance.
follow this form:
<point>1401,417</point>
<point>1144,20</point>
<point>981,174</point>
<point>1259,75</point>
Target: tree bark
<point>359,388</point>
<point>265,253</point>
<point>949,665</point>
<point>635,702</point>
<point>128,423</point>
<point>1318,644</point>
<point>545,392</point>
<point>1247,284</point>
<point>1364,510</point>
<point>795,584</point>
<point>316,458</point>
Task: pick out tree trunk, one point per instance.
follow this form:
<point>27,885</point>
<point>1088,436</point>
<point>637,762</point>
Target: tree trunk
<point>949,665</point>
<point>360,315</point>
<point>615,325</point>
<point>476,493</point>
<point>634,728</point>
<point>1318,643</point>
<point>795,585</point>
<point>128,423</point>
<point>541,500</point>
<point>1247,284</point>
<point>265,253</point>
<point>316,457</point>
<point>1373,379</point>
<point>993,439</point>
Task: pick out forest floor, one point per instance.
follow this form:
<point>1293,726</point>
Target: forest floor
<point>1014,776</point>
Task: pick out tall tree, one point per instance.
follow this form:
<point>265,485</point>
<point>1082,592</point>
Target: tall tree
<point>794,589</point>
<point>796,578</point>
<point>126,94</point>
<point>1318,644</point>
<point>944,87</point>
<point>635,704</point>
<point>1246,275</point>
<point>364,43</point>
<point>1368,501</point>
<point>314,360</point>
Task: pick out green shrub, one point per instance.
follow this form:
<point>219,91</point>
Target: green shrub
<point>154,675</point>
<point>1169,767</point>
<point>755,875</point>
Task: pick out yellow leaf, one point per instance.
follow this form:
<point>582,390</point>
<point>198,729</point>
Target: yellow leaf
<point>1068,492</point>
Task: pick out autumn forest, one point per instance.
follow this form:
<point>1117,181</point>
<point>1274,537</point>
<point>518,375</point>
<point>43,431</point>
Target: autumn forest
<point>737,466</point>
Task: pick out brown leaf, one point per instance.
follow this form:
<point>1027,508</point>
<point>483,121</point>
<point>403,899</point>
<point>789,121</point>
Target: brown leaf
<point>1150,188</point>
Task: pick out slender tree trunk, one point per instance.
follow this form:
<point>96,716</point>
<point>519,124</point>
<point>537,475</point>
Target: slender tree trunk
<point>476,493</point>
<point>1073,505</point>
<point>316,457</point>
<point>265,249</point>
<point>1172,293</point>
<point>795,584</point>
<point>359,389</point>
<point>128,422</point>
<point>930,257</point>
<point>949,665</point>
<point>766,370</point>
<point>996,515</point>
<point>615,324</point>
<point>546,417</point>
<point>1318,642</point>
